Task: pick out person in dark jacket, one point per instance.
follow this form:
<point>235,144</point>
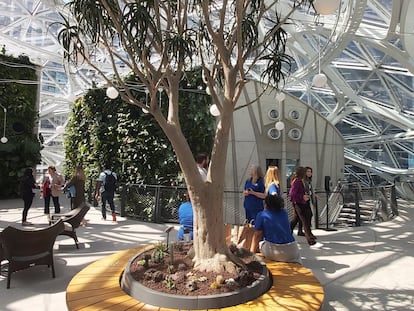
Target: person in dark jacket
<point>299,198</point>
<point>27,186</point>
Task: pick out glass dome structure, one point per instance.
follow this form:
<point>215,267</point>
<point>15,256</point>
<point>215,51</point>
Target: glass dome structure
<point>365,49</point>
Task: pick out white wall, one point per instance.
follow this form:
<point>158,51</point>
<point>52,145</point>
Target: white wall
<point>320,146</point>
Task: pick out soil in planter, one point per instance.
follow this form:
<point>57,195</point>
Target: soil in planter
<point>179,278</point>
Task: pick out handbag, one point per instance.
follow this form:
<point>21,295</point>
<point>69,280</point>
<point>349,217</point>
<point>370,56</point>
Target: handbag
<point>246,235</point>
<point>240,235</point>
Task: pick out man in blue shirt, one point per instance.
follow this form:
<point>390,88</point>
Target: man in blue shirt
<point>185,216</point>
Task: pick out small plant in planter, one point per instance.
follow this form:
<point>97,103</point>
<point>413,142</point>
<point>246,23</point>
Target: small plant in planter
<point>169,283</point>
<point>159,253</point>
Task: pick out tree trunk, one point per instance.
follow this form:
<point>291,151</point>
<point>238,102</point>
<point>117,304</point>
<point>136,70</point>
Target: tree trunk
<point>211,251</point>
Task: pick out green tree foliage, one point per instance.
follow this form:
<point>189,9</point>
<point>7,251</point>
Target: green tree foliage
<point>22,149</point>
<point>160,42</point>
<point>102,130</point>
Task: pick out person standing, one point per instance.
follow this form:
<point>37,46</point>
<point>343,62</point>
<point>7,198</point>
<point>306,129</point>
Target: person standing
<point>254,193</point>
<point>311,202</point>
<point>27,188</point>
<point>272,181</point>
<point>299,199</point>
<point>52,188</point>
<point>105,189</point>
<point>273,228</point>
<point>78,183</point>
<point>202,164</point>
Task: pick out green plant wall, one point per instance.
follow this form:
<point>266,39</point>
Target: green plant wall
<point>101,130</point>
<point>22,149</point>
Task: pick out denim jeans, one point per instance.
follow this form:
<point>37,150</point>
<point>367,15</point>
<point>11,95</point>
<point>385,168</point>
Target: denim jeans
<point>107,197</point>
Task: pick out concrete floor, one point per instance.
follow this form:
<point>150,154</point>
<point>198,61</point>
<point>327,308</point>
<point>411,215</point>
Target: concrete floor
<point>361,268</point>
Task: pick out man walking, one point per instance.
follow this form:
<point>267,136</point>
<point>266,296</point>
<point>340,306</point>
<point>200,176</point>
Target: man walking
<point>105,189</point>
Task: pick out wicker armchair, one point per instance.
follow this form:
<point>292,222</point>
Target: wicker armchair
<point>26,248</point>
<point>72,221</point>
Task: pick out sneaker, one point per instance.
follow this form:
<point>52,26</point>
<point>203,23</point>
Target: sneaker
<point>301,234</point>
<point>26,223</point>
<point>316,245</point>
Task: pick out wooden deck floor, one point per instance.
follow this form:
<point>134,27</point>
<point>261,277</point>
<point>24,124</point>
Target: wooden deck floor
<point>97,287</point>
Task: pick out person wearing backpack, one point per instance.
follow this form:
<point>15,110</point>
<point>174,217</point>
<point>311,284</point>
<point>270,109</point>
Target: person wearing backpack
<point>105,189</point>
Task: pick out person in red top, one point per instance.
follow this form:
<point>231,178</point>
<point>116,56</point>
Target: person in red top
<point>299,199</point>
<point>52,188</point>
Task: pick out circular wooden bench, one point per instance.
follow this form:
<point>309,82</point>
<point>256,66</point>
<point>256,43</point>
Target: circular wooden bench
<point>97,287</point>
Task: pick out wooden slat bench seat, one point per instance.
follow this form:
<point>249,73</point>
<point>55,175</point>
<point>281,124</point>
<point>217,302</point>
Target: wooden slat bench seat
<point>96,287</point>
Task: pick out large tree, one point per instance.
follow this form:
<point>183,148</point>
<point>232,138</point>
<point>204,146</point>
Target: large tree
<point>159,41</point>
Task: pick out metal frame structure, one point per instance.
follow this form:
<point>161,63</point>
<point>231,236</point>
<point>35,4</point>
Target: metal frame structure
<point>365,49</point>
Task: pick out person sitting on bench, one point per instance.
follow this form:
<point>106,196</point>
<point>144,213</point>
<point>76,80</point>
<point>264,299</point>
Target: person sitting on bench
<point>272,226</point>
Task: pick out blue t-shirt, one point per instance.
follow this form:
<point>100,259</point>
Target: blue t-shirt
<point>185,215</point>
<point>273,188</point>
<point>275,226</point>
<point>252,203</point>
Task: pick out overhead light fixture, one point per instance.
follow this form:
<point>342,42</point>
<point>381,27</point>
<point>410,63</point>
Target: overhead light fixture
<point>326,7</point>
<point>60,129</point>
<point>280,97</point>
<point>320,79</point>
<point>214,110</point>
<point>280,125</point>
<point>112,92</point>
<point>4,139</point>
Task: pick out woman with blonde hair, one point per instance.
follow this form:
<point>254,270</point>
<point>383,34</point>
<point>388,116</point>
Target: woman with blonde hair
<point>77,182</point>
<point>254,193</point>
<point>272,181</point>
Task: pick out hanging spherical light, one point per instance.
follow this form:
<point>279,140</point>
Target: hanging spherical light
<point>60,129</point>
<point>112,92</point>
<point>280,97</point>
<point>319,80</point>
<point>326,7</point>
<point>280,125</point>
<point>214,110</point>
<point>4,140</point>
<point>204,76</point>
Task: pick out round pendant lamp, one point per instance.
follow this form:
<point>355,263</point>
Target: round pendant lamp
<point>214,110</point>
<point>4,139</point>
<point>326,7</point>
<point>280,125</point>
<point>280,97</point>
<point>319,80</point>
<point>112,92</point>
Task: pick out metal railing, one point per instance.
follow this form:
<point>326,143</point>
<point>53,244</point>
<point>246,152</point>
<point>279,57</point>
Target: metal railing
<point>159,204</point>
<point>381,200</point>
